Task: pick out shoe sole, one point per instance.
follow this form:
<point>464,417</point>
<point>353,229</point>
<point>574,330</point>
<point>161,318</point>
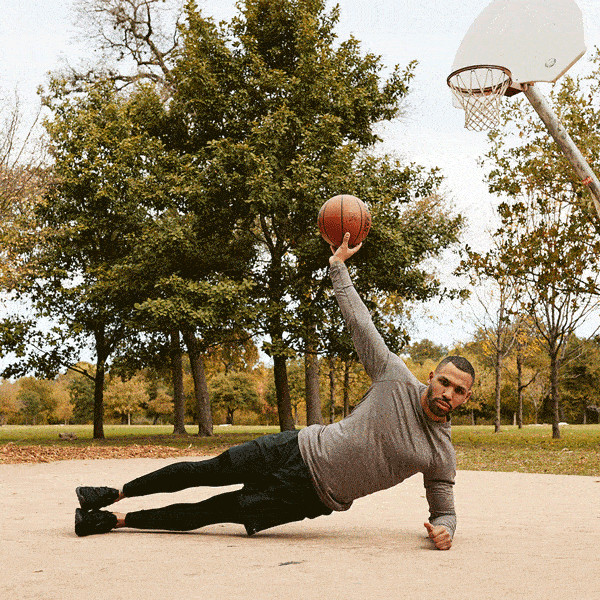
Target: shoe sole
<point>78,522</point>
<point>81,499</point>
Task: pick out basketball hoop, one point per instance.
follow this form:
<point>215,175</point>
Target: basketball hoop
<point>479,90</point>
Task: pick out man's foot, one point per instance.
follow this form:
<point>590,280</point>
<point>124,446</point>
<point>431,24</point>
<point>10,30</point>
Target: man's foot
<point>94,521</point>
<point>93,498</point>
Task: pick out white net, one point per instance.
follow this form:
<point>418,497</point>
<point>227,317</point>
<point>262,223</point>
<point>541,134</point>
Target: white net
<point>479,90</point>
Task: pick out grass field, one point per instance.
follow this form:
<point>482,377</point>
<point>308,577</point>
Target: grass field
<point>528,450</point>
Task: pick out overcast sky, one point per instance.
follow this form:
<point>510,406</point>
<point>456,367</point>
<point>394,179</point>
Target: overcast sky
<point>40,35</point>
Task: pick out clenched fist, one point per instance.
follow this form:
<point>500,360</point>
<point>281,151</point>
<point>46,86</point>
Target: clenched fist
<point>439,536</point>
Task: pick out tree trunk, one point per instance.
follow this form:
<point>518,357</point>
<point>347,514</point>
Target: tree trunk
<point>99,390</point>
<point>520,387</point>
<point>311,381</point>
<point>347,363</point>
<point>498,367</point>
<point>331,389</point>
<point>203,412</point>
<point>554,395</point>
<point>177,379</point>
<point>284,403</point>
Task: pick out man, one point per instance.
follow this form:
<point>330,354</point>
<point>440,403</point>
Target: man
<point>399,428</point>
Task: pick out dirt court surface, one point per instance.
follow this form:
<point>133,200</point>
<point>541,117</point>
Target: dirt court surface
<point>519,536</point>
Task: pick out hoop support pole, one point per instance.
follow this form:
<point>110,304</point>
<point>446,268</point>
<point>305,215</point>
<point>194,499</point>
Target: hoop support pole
<point>565,142</point>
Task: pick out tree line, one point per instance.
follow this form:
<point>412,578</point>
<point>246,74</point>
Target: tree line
<point>242,391</point>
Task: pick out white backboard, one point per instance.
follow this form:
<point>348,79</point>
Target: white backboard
<point>536,40</point>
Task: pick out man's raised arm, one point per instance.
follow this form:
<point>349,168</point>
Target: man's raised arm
<point>370,346</point>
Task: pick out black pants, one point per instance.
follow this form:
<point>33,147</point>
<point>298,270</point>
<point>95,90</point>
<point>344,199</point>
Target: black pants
<point>276,488</point>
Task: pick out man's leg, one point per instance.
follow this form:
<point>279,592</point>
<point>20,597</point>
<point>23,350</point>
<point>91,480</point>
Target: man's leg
<point>178,476</point>
<point>223,508</point>
<point>172,478</point>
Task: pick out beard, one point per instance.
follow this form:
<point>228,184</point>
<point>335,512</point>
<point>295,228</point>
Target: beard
<point>433,406</point>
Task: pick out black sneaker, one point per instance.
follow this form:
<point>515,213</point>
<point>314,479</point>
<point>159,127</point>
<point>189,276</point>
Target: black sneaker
<point>94,521</point>
<point>91,498</point>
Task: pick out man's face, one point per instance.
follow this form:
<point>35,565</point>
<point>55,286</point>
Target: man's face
<point>448,389</point>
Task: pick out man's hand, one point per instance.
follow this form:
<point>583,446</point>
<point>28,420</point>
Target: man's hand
<point>343,252</point>
<point>439,536</point>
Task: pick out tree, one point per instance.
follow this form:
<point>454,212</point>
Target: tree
<point>274,117</point>
<point>63,412</point>
<point>500,322</point>
<point>526,345</point>
<point>426,349</point>
<point>22,167</point>
<point>8,401</point>
<point>184,288</point>
<point>146,33</point>
<point>160,404</point>
<point>581,378</point>
<point>232,392</point>
<point>88,222</point>
<point>126,397</point>
<point>81,393</point>
<point>290,112</point>
<point>36,398</point>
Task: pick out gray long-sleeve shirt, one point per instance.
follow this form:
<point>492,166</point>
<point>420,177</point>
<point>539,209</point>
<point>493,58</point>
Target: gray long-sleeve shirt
<point>387,437</point>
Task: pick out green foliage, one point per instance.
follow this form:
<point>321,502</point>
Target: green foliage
<point>8,400</point>
<point>281,115</point>
<point>233,391</point>
<point>580,380</point>
<point>426,350</point>
<point>86,222</point>
<point>81,391</point>
<point>124,398</point>
<point>36,399</point>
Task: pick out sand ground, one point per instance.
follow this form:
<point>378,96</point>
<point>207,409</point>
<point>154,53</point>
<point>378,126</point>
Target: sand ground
<point>519,536</point>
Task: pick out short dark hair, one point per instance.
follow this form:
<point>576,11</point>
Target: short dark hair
<point>460,362</point>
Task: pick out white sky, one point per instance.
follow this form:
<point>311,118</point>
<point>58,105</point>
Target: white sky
<point>38,36</point>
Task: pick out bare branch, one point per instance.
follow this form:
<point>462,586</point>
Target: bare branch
<point>140,34</point>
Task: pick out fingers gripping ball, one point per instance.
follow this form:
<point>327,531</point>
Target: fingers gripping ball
<point>341,214</point>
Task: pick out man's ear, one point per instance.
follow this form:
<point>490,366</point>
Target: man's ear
<point>430,377</point>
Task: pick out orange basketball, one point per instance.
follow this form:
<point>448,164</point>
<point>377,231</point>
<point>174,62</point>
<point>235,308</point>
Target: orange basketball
<point>341,214</point>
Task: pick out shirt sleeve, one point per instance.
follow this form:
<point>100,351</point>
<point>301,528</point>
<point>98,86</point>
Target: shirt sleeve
<point>440,496</point>
<point>370,346</point>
